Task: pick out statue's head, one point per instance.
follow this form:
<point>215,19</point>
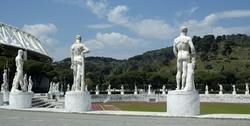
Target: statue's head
<point>78,37</point>
<point>20,52</point>
<point>183,29</point>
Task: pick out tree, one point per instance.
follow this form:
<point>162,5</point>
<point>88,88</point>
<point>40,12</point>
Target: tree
<point>227,50</point>
<point>214,49</point>
<point>204,58</point>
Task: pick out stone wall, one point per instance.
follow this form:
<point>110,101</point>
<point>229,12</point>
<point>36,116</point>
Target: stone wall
<point>238,98</point>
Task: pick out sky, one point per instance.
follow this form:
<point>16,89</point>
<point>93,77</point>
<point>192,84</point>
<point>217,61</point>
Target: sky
<point>121,29</point>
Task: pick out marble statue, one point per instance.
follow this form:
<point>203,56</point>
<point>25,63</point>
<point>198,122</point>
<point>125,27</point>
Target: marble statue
<point>206,89</point>
<point>5,85</point>
<point>221,89</point>
<point>86,87</point>
<point>135,92</point>
<point>234,91</point>
<point>163,89</point>
<point>109,87</point>
<point>181,50</point>
<point>57,87</point>
<point>190,76</point>
<point>30,84</point>
<point>97,88</point>
<point>18,78</point>
<point>25,83</point>
<point>51,87</point>
<point>77,63</point>
<point>247,88</point>
<point>122,88</point>
<point>149,89</point>
<point>68,87</point>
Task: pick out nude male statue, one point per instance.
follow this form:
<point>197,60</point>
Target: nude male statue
<point>181,50</point>
<point>77,62</point>
<point>18,79</point>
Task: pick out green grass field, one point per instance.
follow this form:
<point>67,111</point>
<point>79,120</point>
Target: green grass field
<point>205,108</point>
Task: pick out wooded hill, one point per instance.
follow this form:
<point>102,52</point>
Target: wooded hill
<point>221,59</point>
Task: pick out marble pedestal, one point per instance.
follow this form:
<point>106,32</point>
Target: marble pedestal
<point>163,92</point>
<point>20,99</point>
<point>183,103</point>
<point>97,92</point>
<point>6,96</point>
<point>109,92</point>
<point>77,101</point>
<point>122,92</point>
<point>1,98</point>
<point>246,92</point>
<point>135,92</point>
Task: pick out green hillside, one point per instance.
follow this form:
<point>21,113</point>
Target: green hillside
<point>221,59</point>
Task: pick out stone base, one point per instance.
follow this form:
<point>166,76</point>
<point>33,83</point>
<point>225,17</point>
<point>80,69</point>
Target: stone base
<point>122,92</point>
<point>183,103</point>
<point>234,93</point>
<point>6,96</point>
<point>77,101</point>
<point>109,92</point>
<point>21,99</point>
<point>1,98</point>
<point>163,92</point>
<point>220,92</point>
<point>206,92</point>
<point>135,92</point>
<point>97,92</point>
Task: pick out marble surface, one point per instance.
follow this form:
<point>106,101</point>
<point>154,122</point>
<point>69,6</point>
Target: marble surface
<point>20,99</point>
<point>183,103</point>
<point>77,101</point>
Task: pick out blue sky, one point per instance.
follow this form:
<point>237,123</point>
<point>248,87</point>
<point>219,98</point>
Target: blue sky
<point>122,28</point>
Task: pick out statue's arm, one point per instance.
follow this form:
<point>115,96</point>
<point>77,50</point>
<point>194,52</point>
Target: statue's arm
<point>72,58</point>
<point>85,50</point>
<point>192,47</point>
<point>175,49</point>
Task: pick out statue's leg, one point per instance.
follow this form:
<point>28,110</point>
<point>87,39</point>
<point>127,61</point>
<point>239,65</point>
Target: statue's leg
<point>178,75</point>
<point>184,74</point>
<point>78,77</point>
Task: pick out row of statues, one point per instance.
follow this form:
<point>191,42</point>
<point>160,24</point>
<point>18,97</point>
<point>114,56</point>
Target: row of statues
<point>233,86</point>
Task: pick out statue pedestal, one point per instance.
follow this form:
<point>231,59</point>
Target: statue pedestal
<point>77,101</point>
<point>163,92</point>
<point>122,92</point>
<point>21,99</point>
<point>220,92</point>
<point>109,92</point>
<point>246,92</point>
<point>6,96</point>
<point>97,92</point>
<point>135,92</point>
<point>206,92</point>
<point>234,92</point>
<point>183,103</point>
<point>1,98</point>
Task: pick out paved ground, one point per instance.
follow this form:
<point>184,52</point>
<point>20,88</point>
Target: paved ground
<point>60,117</point>
<point>36,118</point>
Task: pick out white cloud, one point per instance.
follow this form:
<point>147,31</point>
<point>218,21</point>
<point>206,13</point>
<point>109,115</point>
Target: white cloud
<point>117,15</point>
<point>233,14</point>
<point>94,44</point>
<point>118,40</point>
<point>98,8</point>
<point>192,10</point>
<point>42,32</point>
<point>210,24</point>
<point>147,28</point>
<point>100,26</point>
